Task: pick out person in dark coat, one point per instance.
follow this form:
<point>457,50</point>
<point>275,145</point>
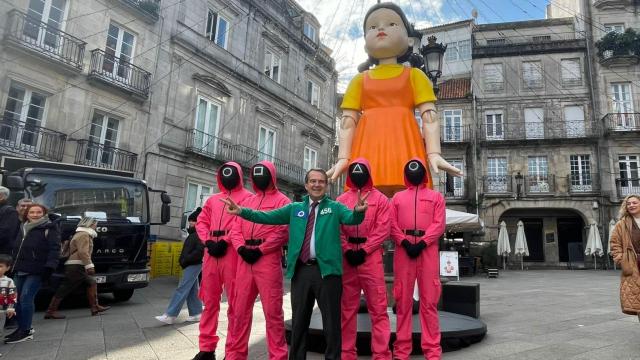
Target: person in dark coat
<point>188,288</point>
<point>9,222</point>
<point>36,252</point>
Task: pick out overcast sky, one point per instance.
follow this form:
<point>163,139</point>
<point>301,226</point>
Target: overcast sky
<point>341,21</point>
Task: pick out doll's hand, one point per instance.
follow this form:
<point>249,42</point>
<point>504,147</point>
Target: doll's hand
<point>437,163</point>
<point>337,169</point>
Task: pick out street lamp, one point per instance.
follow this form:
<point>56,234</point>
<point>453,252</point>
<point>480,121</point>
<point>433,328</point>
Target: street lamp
<point>519,180</point>
<point>433,53</point>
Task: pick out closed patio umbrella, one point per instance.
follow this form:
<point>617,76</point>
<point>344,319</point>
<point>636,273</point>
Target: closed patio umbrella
<point>612,224</point>
<point>594,244</point>
<point>504,248</point>
<point>521,247</point>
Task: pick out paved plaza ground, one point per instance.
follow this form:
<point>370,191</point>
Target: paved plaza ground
<point>542,314</point>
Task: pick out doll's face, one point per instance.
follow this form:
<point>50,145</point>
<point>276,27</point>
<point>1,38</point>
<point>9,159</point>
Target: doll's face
<point>385,35</point>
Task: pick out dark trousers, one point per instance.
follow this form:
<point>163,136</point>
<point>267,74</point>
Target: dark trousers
<point>74,277</point>
<point>308,286</point>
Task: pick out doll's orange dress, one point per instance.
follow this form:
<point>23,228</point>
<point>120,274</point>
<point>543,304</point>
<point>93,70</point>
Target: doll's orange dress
<point>387,133</point>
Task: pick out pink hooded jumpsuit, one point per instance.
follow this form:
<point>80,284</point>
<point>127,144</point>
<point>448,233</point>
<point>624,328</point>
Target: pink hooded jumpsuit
<point>418,213</point>
<point>370,275</point>
<point>263,277</point>
<point>214,224</point>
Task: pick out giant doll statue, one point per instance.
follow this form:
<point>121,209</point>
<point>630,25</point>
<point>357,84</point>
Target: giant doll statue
<point>378,121</point>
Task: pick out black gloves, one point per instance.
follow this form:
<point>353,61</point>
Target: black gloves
<point>46,274</point>
<point>355,257</point>
<point>413,250</point>
<point>250,256</point>
<point>216,248</point>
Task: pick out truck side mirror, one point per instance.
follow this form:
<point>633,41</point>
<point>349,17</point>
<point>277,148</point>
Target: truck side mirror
<point>165,198</point>
<point>15,182</point>
<point>165,213</point>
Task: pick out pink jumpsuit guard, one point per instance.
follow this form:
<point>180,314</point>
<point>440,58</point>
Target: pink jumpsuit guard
<point>214,224</point>
<point>418,214</point>
<point>369,276</point>
<point>264,277</point>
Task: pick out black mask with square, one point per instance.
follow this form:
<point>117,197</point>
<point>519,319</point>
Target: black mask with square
<point>261,177</point>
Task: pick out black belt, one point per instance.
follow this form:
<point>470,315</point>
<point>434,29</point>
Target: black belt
<point>357,240</point>
<point>308,263</point>
<point>414,232</point>
<point>253,242</point>
<point>217,232</point>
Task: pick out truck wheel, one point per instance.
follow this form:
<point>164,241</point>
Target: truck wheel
<point>123,295</point>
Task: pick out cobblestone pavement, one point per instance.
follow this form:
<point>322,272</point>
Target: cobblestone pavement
<point>550,314</point>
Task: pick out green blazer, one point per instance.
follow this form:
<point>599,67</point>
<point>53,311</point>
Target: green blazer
<point>327,230</point>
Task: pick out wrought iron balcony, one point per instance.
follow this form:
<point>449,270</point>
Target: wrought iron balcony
<point>513,185</point>
<point>583,183</point>
<point>93,154</point>
<point>30,140</point>
<point>149,10</point>
<point>455,134</point>
<point>518,131</point>
<point>628,186</point>
<point>539,184</point>
<point>621,122</point>
<point>27,33</point>
<point>116,72</point>
<point>497,184</point>
<point>199,142</point>
<point>454,188</point>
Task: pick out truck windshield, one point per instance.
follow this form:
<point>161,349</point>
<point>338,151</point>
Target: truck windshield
<point>106,200</point>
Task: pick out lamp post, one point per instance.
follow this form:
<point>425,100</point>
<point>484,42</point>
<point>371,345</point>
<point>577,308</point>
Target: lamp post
<point>433,53</point>
<point>519,180</point>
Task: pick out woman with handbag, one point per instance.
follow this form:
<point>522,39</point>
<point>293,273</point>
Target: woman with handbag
<point>79,270</point>
<point>625,248</point>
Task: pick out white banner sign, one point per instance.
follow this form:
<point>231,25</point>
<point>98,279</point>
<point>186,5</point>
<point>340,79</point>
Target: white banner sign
<point>449,263</point>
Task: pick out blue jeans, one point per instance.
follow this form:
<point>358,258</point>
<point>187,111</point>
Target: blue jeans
<point>187,290</point>
<point>27,286</point>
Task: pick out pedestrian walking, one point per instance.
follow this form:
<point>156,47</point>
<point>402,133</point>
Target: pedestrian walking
<point>219,264</point>
<point>8,294</point>
<point>260,267</point>
<point>188,287</point>
<point>625,247</point>
<point>79,270</point>
<point>9,222</point>
<point>314,262</point>
<point>36,253</point>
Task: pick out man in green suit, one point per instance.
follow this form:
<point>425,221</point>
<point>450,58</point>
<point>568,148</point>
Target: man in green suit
<point>314,258</point>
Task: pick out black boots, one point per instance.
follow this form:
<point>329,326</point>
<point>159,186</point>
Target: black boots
<point>205,355</point>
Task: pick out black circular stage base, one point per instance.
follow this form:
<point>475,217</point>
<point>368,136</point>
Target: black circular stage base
<point>458,331</point>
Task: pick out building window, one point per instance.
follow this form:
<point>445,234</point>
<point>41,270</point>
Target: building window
<point>272,65</point>
<point>50,12</point>
<point>197,195</point>
<point>571,72</point>
<point>538,174</point>
<point>574,121</point>
<point>622,105</point>
<point>103,139</point>
<point>27,107</point>
<point>217,29</point>
<point>497,178</point>
<point>618,28</point>
<point>629,176</point>
<point>580,178</point>
<point>532,74</point>
<point>311,32</point>
<point>313,93</point>
<point>494,126</point>
<point>310,159</point>
<point>493,77</point>
<point>118,52</point>
<point>534,123</point>
<point>452,126</point>
<point>266,144</point>
<point>454,185</point>
<point>460,50</point>
<point>206,127</point>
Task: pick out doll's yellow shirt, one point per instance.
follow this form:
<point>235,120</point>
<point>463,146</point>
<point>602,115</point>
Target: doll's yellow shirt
<point>422,88</point>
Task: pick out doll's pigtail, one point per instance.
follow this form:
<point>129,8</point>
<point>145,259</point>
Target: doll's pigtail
<point>367,64</point>
<point>412,58</point>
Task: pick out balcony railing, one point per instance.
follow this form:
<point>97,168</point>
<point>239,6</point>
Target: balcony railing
<point>148,9</point>
<point>90,153</point>
<point>583,183</point>
<point>455,134</point>
<point>30,140</point>
<point>497,184</point>
<point>45,40</point>
<point>615,122</point>
<point>213,147</point>
<point>455,189</point>
<point>628,186</point>
<point>570,129</point>
<point>539,184</point>
<point>119,73</point>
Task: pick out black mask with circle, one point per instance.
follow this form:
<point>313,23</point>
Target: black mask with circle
<point>359,175</point>
<point>261,177</point>
<point>230,177</point>
<point>415,172</point>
